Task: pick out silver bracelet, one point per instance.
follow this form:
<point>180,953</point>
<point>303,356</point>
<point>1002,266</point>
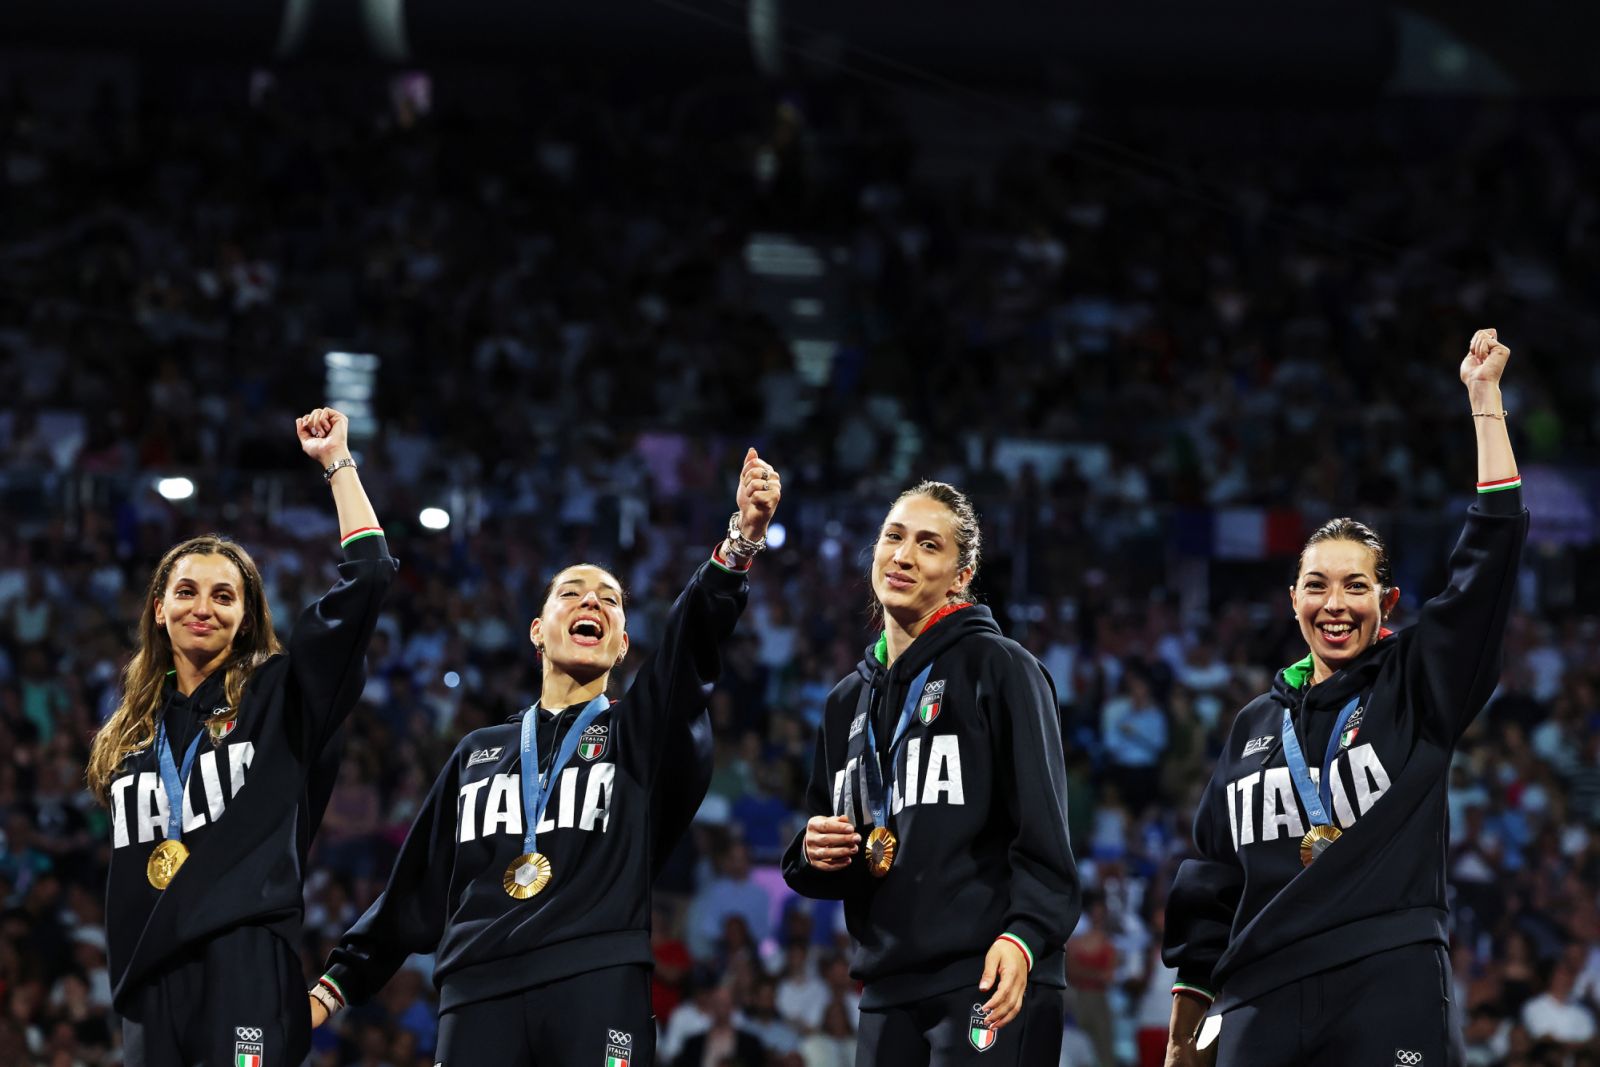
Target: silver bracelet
<point>336,466</point>
<point>739,544</point>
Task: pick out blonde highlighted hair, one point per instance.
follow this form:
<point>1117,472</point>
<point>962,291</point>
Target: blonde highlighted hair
<point>133,725</point>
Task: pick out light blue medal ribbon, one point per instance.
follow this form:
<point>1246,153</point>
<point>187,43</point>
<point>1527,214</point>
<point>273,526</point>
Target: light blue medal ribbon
<point>162,866</point>
<point>530,872</point>
<point>1317,798</point>
<point>173,777</point>
<point>881,842</point>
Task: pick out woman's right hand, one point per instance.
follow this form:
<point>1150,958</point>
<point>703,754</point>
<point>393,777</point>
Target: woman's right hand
<point>1485,361</point>
<point>830,842</point>
<point>1184,1054</point>
<point>319,1012</point>
<point>1188,1013</point>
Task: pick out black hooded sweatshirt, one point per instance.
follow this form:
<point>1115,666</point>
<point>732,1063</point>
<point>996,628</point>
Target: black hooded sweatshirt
<point>257,790</point>
<point>1246,917</point>
<point>979,806</point>
<point>627,794</point>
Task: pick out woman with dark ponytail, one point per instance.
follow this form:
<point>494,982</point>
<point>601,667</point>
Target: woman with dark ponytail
<point>938,812</point>
<point>1312,929</point>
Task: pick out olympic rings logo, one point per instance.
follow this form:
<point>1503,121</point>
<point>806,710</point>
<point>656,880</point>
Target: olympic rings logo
<point>620,1038</point>
<point>248,1033</point>
<point>1407,1057</point>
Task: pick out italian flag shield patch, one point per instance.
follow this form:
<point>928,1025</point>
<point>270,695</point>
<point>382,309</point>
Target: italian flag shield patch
<point>981,1036</point>
<point>616,1061</point>
<point>928,712</point>
<point>593,743</point>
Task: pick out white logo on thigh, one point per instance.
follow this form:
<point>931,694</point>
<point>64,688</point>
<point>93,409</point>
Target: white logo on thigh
<point>979,1032</point>
<point>248,1051</point>
<point>619,1051</point>
<point>1404,1057</point>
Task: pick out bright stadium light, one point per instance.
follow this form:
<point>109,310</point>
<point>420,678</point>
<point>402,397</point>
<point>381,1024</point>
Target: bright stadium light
<point>451,679</point>
<point>175,488</point>
<point>776,535</point>
<point>434,518</point>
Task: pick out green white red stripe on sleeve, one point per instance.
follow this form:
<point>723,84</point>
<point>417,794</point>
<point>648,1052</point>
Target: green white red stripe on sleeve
<point>358,534</point>
<point>1500,484</point>
<point>731,566</point>
<point>332,987</point>
<point>1023,945</point>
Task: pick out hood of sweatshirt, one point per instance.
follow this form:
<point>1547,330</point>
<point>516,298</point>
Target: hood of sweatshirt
<point>943,630</point>
<point>1293,684</point>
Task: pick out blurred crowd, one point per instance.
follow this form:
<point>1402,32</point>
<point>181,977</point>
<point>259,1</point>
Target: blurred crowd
<point>572,363</point>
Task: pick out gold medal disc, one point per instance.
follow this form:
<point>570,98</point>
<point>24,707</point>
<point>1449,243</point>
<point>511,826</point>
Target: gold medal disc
<point>881,845</point>
<point>528,874</point>
<point>164,863</point>
<point>1316,843</point>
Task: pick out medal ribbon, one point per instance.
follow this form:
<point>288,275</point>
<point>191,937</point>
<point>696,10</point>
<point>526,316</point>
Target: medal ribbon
<point>173,778</point>
<point>1317,798</point>
<point>538,788</point>
<point>876,798</point>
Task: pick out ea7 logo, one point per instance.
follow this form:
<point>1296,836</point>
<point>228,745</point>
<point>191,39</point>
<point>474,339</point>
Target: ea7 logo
<point>484,755</point>
<point>1254,745</point>
<point>859,724</point>
<point>1407,1058</point>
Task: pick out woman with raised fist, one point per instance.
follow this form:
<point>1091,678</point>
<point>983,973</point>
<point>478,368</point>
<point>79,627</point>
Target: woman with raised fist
<point>216,766</point>
<point>1312,929</point>
<point>527,872</point>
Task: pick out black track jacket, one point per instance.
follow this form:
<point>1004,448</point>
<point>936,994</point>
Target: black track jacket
<point>627,795</point>
<point>980,810</point>
<point>1246,918</point>
<point>265,782</point>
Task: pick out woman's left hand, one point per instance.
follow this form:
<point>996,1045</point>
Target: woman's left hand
<point>1006,962</point>
<point>1486,359</point>
<point>758,495</point>
<point>324,435</point>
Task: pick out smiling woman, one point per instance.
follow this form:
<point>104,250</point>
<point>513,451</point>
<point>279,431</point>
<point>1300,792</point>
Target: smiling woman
<point>946,743</point>
<point>1343,595</point>
<point>200,921</point>
<point>1320,878</point>
<point>528,869</point>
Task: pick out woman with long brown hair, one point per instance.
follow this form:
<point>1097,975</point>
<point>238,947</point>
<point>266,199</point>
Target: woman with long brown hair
<point>222,725</point>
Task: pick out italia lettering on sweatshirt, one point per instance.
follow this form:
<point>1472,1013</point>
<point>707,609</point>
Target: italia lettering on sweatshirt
<point>256,792</point>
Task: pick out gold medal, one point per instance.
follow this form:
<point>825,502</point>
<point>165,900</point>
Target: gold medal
<point>164,862</point>
<point>1316,843</point>
<point>881,845</point>
<point>528,874</point>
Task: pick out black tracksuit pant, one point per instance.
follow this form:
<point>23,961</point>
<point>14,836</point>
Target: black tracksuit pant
<point>945,1031</point>
<point>240,995</point>
<point>1391,1008</point>
<point>584,1021</point>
